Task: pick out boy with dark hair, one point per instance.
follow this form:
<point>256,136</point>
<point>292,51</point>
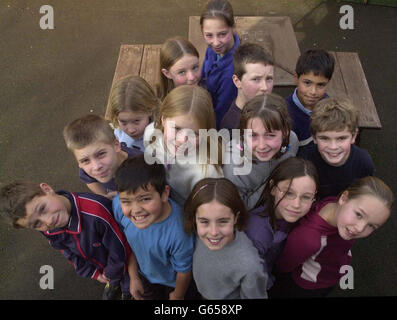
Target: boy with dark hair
<point>81,225</point>
<point>253,75</point>
<point>97,151</point>
<point>153,226</point>
<point>313,72</point>
<point>334,127</point>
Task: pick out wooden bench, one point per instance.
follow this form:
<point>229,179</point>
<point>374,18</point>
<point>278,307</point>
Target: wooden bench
<point>137,59</point>
<point>349,80</point>
<point>275,34</point>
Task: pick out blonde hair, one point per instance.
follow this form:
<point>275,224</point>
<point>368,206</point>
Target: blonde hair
<point>371,186</point>
<point>334,114</point>
<point>86,130</point>
<point>134,94</point>
<point>171,51</point>
<point>195,102</point>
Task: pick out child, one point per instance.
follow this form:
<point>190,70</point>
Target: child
<point>179,65</point>
<point>217,25</point>
<point>334,127</point>
<point>313,71</point>
<point>174,140</point>
<point>153,226</point>
<point>268,142</point>
<point>288,195</point>
<point>225,263</point>
<point>97,151</point>
<point>311,262</point>
<point>253,75</point>
<point>132,102</point>
<point>81,225</point>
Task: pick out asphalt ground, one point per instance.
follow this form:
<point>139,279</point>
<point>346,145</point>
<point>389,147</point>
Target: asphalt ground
<point>50,77</point>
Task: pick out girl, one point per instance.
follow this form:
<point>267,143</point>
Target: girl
<point>225,263</point>
<point>316,250</point>
<point>268,142</point>
<point>179,65</point>
<point>288,195</point>
<point>132,102</point>
<point>174,140</point>
<point>218,27</point>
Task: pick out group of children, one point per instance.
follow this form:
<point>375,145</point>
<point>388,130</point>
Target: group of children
<point>157,227</point>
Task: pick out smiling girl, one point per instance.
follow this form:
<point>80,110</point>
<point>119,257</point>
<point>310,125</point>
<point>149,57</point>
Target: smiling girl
<point>288,195</point>
<point>317,249</point>
<point>218,28</point>
<point>179,65</point>
<point>225,263</point>
<point>174,140</point>
<point>267,142</point>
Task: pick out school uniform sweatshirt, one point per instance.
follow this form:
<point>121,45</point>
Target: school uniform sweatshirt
<point>315,252</point>
<point>218,74</point>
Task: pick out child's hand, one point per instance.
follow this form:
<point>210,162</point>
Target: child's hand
<point>136,289</point>
<point>173,296</point>
<point>103,279</point>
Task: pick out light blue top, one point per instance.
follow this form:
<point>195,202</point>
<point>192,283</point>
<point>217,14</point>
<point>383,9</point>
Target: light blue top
<point>162,249</point>
<point>130,142</point>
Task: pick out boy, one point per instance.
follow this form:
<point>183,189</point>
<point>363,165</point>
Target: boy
<point>253,75</point>
<point>334,127</point>
<point>313,71</point>
<point>153,226</point>
<point>97,151</point>
<point>81,225</point>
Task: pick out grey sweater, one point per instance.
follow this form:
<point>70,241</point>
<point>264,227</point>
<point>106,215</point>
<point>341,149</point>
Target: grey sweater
<point>250,186</point>
<point>233,272</point>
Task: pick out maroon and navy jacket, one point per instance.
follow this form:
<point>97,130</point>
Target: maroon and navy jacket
<point>92,241</point>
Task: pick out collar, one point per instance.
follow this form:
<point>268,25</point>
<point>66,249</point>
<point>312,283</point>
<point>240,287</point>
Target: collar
<point>74,224</point>
<point>299,104</point>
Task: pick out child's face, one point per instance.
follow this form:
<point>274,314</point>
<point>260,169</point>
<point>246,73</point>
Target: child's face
<point>359,217</point>
<point>99,160</point>
<point>46,212</point>
<point>296,200</point>
<point>181,133</point>
<point>258,79</point>
<point>218,35</point>
<point>145,207</point>
<point>311,89</point>
<point>215,224</point>
<point>186,70</point>
<point>133,123</point>
<point>265,144</point>
<point>334,146</point>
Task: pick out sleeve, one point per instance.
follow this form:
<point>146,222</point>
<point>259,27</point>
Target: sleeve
<point>301,244</point>
<point>225,93</point>
<point>254,285</point>
<point>368,167</point>
<point>117,247</point>
<point>83,267</point>
<point>182,251</point>
<point>85,177</point>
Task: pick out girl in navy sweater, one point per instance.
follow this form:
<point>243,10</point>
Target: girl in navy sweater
<point>218,27</point>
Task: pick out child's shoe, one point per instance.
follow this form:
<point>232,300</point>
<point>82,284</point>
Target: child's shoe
<point>111,292</point>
